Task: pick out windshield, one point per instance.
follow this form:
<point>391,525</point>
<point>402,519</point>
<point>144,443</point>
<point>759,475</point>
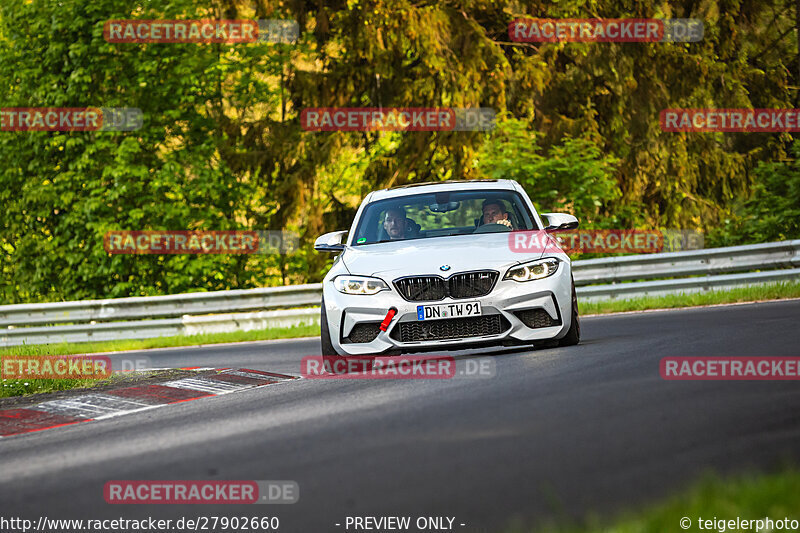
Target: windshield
<point>443,214</point>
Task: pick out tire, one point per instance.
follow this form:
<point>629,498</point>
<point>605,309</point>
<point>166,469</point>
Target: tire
<point>326,347</point>
<point>573,335</point>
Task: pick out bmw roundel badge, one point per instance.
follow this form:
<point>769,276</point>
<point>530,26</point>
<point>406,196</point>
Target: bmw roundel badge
<point>444,268</point>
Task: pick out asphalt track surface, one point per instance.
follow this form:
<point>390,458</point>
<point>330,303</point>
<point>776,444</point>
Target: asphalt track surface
<point>556,433</point>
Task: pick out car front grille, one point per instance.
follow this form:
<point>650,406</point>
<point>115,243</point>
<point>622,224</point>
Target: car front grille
<point>421,288</point>
<point>363,332</point>
<point>471,284</point>
<point>452,328</point>
<point>431,288</point>
<point>537,318</point>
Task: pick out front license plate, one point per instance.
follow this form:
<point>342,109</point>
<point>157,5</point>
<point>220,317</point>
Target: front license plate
<point>434,312</point>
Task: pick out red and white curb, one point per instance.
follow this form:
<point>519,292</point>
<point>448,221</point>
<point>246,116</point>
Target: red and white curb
<point>111,403</point>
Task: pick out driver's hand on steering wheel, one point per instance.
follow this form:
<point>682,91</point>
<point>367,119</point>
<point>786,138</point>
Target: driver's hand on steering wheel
<point>505,222</point>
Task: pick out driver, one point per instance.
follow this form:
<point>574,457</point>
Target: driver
<point>394,223</point>
<point>495,213</point>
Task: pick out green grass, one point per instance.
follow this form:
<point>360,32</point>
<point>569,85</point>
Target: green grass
<point>22,387</point>
<point>17,387</point>
<point>162,342</point>
<point>775,291</point>
<point>749,497</point>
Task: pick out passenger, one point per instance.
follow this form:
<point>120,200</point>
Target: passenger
<point>394,223</point>
<point>495,213</point>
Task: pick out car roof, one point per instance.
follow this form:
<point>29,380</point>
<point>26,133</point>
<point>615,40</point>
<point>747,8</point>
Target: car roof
<point>442,186</point>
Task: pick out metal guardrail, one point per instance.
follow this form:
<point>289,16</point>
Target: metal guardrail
<point>686,285</point>
<point>768,256</point>
<point>168,327</point>
<point>145,307</point>
<point>596,279</point>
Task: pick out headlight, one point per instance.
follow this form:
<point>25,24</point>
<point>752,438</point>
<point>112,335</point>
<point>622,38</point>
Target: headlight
<point>359,285</point>
<point>533,270</point>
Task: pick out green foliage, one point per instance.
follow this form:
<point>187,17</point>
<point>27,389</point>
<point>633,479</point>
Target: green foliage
<point>749,498</point>
<point>62,191</point>
<point>222,146</point>
<point>574,176</point>
<point>772,213</point>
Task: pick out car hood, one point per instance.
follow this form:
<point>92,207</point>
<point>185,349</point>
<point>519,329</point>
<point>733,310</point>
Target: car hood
<point>426,256</point>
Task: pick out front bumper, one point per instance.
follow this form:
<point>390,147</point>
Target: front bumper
<point>508,298</point>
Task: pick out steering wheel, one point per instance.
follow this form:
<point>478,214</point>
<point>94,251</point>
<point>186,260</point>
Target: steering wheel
<point>492,228</point>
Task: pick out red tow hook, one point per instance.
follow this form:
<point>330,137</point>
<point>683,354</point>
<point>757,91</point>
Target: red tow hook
<point>388,319</point>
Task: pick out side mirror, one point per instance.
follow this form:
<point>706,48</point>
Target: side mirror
<point>560,221</point>
<point>330,242</point>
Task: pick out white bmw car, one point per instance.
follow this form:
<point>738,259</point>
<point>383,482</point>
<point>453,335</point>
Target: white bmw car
<point>433,267</point>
